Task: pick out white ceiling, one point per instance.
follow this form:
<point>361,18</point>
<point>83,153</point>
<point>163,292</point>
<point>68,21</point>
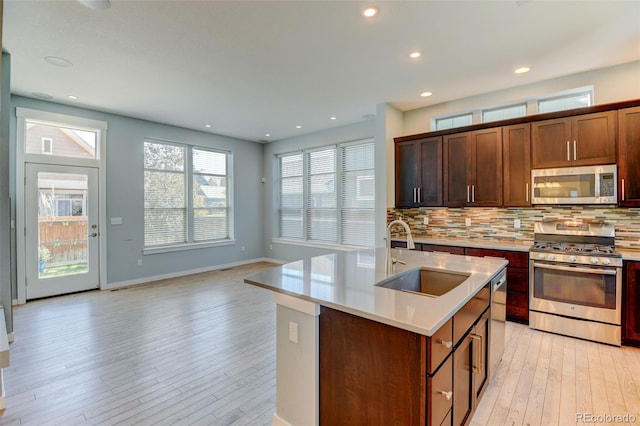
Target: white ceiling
<point>249,68</point>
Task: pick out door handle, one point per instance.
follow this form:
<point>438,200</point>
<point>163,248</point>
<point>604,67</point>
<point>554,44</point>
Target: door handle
<point>414,195</point>
<point>622,189</point>
<point>468,198</point>
<point>575,151</point>
<point>568,151</point>
<point>419,195</point>
<point>473,193</point>
<point>93,235</point>
<point>526,192</point>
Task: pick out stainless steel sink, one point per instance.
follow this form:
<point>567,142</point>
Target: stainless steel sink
<point>428,282</point>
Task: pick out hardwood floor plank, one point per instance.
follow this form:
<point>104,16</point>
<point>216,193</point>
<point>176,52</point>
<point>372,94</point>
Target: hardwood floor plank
<point>567,414</point>
<point>553,388</point>
<point>535,402</point>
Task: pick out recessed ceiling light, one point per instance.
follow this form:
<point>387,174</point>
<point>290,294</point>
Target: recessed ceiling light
<point>426,94</point>
<point>96,4</point>
<point>298,127</point>
<point>267,134</point>
<point>415,54</point>
<point>41,95</point>
<point>369,11</point>
<point>333,117</point>
<point>208,126</point>
<point>72,97</point>
<point>58,62</point>
<point>522,70</point>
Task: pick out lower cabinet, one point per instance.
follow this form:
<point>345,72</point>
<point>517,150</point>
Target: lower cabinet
<point>631,303</point>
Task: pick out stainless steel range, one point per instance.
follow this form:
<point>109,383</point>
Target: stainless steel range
<point>575,277</point>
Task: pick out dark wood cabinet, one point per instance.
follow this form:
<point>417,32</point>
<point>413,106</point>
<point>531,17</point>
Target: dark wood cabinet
<point>631,304</point>
<point>418,166</point>
<point>473,168</point>
<point>574,141</point>
<point>442,248</point>
<point>629,157</point>
<point>517,281</point>
<point>516,155</point>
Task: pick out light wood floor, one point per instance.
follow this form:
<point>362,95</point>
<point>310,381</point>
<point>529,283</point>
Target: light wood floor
<point>201,350</point>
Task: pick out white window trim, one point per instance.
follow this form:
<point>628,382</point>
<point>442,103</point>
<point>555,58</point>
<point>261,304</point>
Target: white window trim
<point>26,114</point>
<point>188,171</point>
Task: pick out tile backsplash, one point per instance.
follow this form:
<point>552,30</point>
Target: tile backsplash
<point>497,224</point>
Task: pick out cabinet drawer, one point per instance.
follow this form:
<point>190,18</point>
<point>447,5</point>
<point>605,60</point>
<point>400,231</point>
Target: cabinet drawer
<point>443,248</point>
<point>469,313</point>
<point>440,393</point>
<point>439,346</point>
<point>516,259</point>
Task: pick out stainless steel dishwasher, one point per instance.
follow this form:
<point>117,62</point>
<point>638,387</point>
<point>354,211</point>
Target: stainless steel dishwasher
<point>498,318</point>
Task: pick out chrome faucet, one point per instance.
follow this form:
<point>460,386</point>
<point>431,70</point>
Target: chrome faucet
<point>389,261</point>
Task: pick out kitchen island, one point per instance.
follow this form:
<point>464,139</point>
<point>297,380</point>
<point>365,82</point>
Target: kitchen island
<point>351,351</point>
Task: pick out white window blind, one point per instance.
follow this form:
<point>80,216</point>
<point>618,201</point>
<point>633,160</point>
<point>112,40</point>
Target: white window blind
<point>561,103</point>
<point>455,121</point>
<point>327,195</point>
<point>358,195</point>
<point>504,113</point>
<point>171,172</point>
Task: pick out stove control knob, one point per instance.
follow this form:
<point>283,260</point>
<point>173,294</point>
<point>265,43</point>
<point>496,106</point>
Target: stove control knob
<point>552,256</point>
<point>572,258</point>
<point>606,261</point>
<point>595,260</point>
<point>541,256</point>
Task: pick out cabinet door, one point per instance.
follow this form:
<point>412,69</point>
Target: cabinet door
<point>430,172</point>
<point>629,157</point>
<point>486,168</point>
<point>463,382</point>
<point>516,153</point>
<point>407,157</point>
<point>550,141</point>
<point>457,151</point>
<point>631,302</point>
<point>594,139</point>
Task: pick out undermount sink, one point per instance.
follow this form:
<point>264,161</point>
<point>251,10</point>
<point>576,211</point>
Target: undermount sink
<point>428,282</point>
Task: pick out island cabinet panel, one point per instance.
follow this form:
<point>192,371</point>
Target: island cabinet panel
<point>629,157</point>
<point>581,140</point>
<point>370,373</point>
<point>418,166</point>
<point>516,154</point>
<point>517,281</point>
<point>631,305</point>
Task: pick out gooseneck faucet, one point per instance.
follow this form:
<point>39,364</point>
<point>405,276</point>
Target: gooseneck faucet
<point>389,261</point>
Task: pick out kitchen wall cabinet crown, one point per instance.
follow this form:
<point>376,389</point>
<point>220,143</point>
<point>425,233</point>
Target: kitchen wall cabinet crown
<point>629,157</point>
<point>419,172</point>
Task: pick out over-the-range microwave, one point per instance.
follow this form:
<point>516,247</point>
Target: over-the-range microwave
<point>575,185</point>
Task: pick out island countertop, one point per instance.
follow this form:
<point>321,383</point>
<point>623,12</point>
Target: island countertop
<point>346,281</point>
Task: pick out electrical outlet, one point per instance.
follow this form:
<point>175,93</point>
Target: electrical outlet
<point>467,221</point>
<point>516,223</point>
<point>425,220</point>
<point>293,332</point>
<point>139,262</point>
<point>242,249</point>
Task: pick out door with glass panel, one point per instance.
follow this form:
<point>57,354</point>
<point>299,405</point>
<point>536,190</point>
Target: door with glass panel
<point>62,235</point>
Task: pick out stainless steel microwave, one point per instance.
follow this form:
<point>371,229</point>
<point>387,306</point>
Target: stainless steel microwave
<point>575,185</point>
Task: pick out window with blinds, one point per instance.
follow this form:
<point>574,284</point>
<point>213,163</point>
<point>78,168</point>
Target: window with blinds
<point>327,195</point>
<point>171,216</point>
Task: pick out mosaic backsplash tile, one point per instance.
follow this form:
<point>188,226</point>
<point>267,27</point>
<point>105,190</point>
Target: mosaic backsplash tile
<point>497,224</point>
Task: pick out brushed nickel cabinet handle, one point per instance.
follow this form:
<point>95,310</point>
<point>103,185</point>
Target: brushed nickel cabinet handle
<point>414,195</point>
<point>447,395</point>
<point>446,343</point>
<point>526,192</point>
<point>468,199</point>
<point>623,189</point>
<point>473,193</point>
<point>568,151</point>
<point>575,151</point>
<point>419,195</point>
<point>477,367</point>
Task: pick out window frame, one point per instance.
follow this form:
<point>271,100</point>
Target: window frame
<point>339,174</point>
<point>188,174</point>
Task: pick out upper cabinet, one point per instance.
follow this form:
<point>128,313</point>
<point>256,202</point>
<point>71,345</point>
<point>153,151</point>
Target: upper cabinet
<point>629,157</point>
<point>516,156</point>
<point>574,141</point>
<point>419,172</point>
<point>473,168</point>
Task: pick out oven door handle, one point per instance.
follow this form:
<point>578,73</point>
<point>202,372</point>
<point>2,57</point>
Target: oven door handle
<point>575,269</point>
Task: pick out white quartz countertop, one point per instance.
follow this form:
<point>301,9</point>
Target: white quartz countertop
<point>346,281</point>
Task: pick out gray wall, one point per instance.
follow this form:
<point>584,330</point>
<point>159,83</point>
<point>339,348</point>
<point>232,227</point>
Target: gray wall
<point>124,195</point>
<point>288,252</point>
<point>5,170</point>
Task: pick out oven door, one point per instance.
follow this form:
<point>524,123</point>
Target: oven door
<point>585,292</point>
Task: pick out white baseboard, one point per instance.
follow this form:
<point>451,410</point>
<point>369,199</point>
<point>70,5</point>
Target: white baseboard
<point>145,280</point>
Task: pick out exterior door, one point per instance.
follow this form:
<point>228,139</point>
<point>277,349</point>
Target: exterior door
<point>61,221</point>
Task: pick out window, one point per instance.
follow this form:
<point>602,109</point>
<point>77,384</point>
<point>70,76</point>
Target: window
<point>455,121</point>
<point>327,195</point>
<point>47,146</point>
<point>504,113</point>
<point>569,101</point>
<point>171,216</point>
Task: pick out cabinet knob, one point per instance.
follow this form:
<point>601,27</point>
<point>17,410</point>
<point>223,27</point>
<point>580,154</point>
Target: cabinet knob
<point>446,343</point>
<point>447,395</point>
